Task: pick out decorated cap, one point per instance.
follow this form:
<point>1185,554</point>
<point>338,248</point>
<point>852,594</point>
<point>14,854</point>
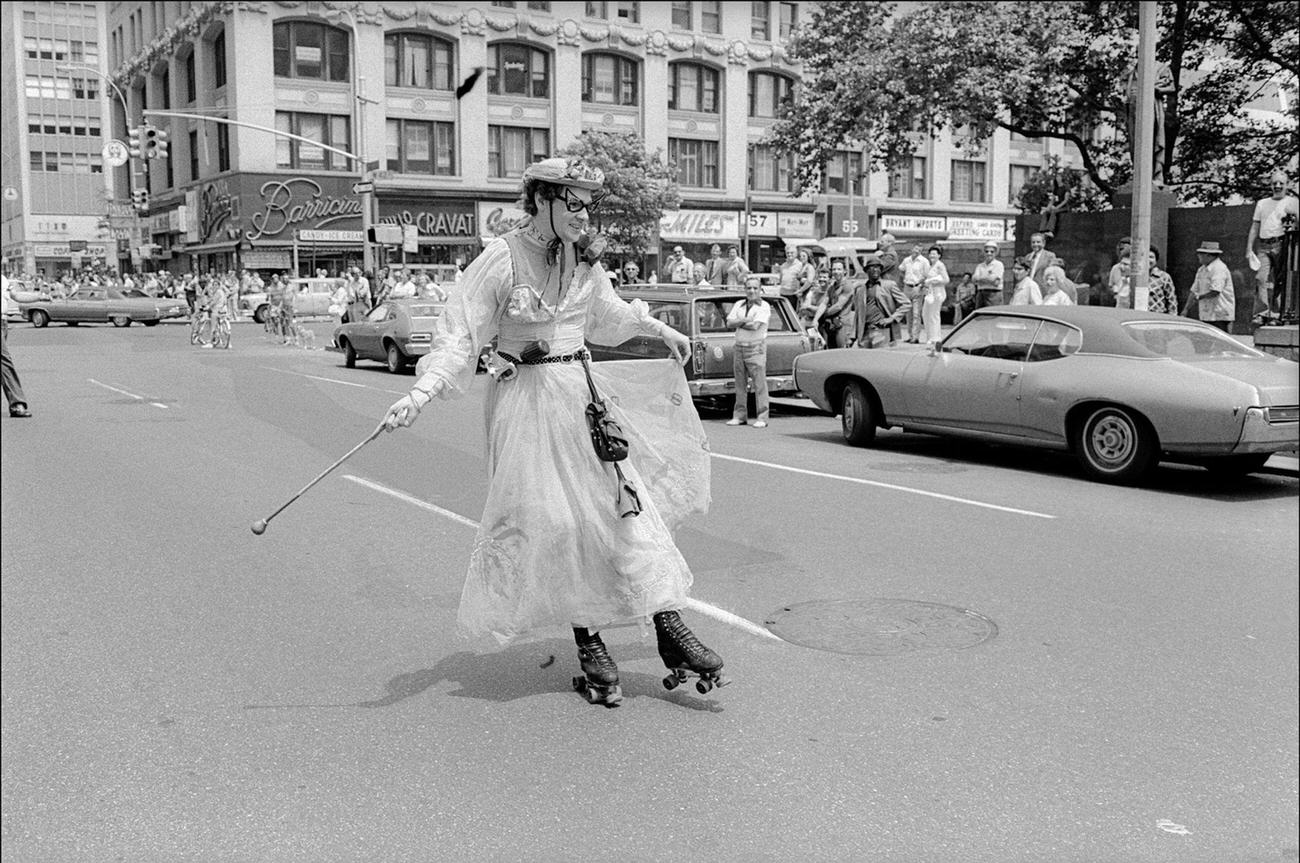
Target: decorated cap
<point>566,172</point>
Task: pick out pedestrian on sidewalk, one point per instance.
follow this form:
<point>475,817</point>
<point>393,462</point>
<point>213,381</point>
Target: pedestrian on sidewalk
<point>1216,302</point>
<point>988,277</point>
<point>914,269</point>
<point>936,291</point>
<point>13,387</point>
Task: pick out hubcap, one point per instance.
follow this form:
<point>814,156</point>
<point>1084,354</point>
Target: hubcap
<point>1113,440</point>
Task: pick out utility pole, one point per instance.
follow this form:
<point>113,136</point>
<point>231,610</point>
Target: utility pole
<point>367,254</point>
<point>1143,154</point>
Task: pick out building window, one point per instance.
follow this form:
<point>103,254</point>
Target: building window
<point>909,179</point>
<point>85,89</point>
<point>219,60</point>
<point>539,5</point>
<point>769,94</point>
<point>305,49</point>
<point>518,70</point>
<point>30,46</point>
<point>223,147</point>
<point>421,147</point>
<point>682,17</point>
<point>696,161</point>
<point>194,155</point>
<point>165,84</point>
<point>789,13</point>
<point>760,21</point>
<point>692,87</point>
<point>843,174</point>
<point>412,60</point>
<point>191,79</point>
<point>770,171</point>
<point>1020,175</point>
<point>969,181</point>
<point>513,148</point>
<point>623,11</point>
<point>609,79</point>
<point>711,16</point>
<point>329,129</point>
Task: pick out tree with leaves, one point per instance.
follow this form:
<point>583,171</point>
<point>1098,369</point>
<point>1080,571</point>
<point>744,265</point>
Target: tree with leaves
<point>639,187</point>
<point>1045,71</point>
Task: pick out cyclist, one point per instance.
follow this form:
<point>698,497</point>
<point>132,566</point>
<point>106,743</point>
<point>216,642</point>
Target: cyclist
<point>285,310</point>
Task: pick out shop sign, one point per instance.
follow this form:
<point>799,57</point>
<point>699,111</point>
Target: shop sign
<point>281,206</point>
<point>217,207</point>
<point>496,219</point>
<point>961,228</point>
<point>311,236</point>
<point>64,250</point>
<point>795,226</point>
<point>430,218</point>
<point>191,210</point>
<point>180,219</point>
<point>763,223</point>
<point>159,222</point>
<point>914,224</point>
<point>265,259</point>
<point>700,226</point>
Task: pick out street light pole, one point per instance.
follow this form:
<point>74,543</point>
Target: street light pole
<point>359,101</point>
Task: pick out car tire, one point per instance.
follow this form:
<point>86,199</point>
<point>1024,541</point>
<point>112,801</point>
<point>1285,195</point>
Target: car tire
<point>39,318</point>
<point>857,415</point>
<point>1115,445</point>
<point>396,359</point>
<point>1236,465</point>
<point>349,354</point>
<point>121,321</point>
<point>259,315</point>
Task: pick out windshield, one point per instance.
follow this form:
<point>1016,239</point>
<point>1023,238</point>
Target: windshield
<point>1183,341</point>
<point>425,310</point>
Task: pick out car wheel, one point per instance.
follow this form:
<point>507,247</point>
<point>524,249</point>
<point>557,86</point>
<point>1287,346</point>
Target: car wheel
<point>349,354</point>
<point>1236,465</point>
<point>39,318</point>
<point>857,416</point>
<point>396,359</point>
<point>121,321</point>
<point>259,315</point>
<point>1114,445</point>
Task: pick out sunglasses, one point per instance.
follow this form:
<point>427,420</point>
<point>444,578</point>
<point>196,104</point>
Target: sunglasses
<point>573,203</point>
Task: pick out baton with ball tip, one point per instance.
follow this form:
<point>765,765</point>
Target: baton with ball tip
<point>259,527</point>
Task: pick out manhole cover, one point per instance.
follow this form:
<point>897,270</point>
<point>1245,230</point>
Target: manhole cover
<point>880,627</point>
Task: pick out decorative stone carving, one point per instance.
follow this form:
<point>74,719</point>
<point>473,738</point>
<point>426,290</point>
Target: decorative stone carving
<point>739,54</point>
<point>501,24</point>
<point>761,53</point>
<point>635,38</point>
<point>311,97</point>
<point>717,49</point>
<point>446,19</point>
<point>402,13</point>
<point>569,31</point>
<point>594,34</point>
<point>607,119</point>
<point>474,22</point>
<point>517,113</point>
<point>681,43</point>
<point>692,126</point>
<point>657,43</point>
<point>419,105</point>
<point>543,28</point>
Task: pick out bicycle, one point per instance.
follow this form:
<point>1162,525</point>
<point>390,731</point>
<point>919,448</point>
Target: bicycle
<point>201,328</point>
<point>221,330</point>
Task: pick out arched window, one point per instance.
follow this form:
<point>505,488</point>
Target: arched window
<point>418,60</point>
<point>514,69</point>
<point>692,87</point>
<point>309,49</point>
<point>609,79</point>
<point>769,93</point>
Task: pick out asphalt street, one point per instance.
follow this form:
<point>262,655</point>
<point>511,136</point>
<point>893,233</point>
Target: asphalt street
<point>1046,668</point>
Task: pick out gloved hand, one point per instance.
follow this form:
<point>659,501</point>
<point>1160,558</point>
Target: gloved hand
<point>406,409</point>
<point>679,344</point>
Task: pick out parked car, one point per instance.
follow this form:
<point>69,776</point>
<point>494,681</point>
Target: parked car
<point>1120,389</point>
<point>181,307</point>
<point>99,305</point>
<point>311,298</point>
<point>702,315</point>
<point>396,332</point>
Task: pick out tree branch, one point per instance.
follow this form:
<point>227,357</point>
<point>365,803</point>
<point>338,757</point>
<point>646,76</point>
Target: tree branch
<point>1261,44</point>
<point>1088,164</point>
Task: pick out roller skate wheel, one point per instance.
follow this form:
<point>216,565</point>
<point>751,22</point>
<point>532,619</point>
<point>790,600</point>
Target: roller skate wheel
<point>670,682</point>
<point>703,686</point>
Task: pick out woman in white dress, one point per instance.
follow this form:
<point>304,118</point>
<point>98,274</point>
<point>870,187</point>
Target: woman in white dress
<point>563,542</point>
<point>1054,288</point>
<point>936,291</point>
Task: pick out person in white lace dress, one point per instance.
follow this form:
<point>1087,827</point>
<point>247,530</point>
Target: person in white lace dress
<point>558,547</point>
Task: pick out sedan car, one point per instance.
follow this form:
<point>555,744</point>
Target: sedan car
<point>396,333</point>
<point>702,316</point>
<point>99,305</point>
<point>311,297</point>
<point>1120,389</point>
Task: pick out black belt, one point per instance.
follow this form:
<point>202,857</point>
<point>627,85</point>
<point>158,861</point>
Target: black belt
<point>576,356</point>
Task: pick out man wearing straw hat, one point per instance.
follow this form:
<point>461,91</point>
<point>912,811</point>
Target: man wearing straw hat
<point>1216,302</point>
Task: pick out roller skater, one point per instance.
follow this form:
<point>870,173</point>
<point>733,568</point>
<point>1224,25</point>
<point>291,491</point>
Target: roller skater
<point>601,682</point>
<point>685,655</point>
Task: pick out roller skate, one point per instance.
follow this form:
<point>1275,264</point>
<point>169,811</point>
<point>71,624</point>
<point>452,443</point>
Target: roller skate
<point>600,683</point>
<point>684,655</point>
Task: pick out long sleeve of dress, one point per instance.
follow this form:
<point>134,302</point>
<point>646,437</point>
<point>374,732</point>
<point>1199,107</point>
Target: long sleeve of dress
<point>467,322</point>
<point>612,320</point>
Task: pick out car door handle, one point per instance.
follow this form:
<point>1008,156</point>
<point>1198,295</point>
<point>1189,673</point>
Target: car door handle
<point>1013,375</point>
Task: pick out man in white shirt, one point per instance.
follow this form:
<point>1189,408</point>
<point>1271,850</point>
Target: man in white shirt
<point>404,288</point>
<point>914,268</point>
<point>13,388</point>
<point>987,278</point>
<point>678,269</point>
<point>1027,292</point>
<point>1265,245</point>
<point>749,318</point>
<point>1216,300</point>
<point>1039,257</point>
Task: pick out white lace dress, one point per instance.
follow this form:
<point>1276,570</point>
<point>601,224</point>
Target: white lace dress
<point>551,550</point>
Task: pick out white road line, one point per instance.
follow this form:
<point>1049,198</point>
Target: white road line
<point>125,393</point>
<point>887,485</point>
<point>718,614</point>
<point>332,380</point>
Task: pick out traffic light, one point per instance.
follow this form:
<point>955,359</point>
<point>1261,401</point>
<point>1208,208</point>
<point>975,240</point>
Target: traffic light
<point>149,141</point>
<point>133,142</point>
<point>160,144</point>
<point>140,197</point>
